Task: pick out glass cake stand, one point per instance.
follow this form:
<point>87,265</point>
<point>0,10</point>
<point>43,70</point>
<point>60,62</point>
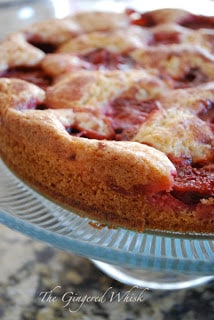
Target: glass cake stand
<point>150,259</point>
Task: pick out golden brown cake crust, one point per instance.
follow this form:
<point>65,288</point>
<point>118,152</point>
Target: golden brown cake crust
<point>95,169</point>
<point>94,117</point>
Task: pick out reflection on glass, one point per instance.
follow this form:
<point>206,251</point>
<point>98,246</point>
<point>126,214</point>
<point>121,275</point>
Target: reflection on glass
<point>16,14</point>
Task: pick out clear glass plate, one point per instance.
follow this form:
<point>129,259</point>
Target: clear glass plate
<point>26,211</point>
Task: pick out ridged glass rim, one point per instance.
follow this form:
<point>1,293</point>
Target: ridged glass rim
<point>24,210</point>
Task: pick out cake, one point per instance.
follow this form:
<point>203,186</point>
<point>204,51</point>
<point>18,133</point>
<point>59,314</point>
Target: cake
<point>111,115</point>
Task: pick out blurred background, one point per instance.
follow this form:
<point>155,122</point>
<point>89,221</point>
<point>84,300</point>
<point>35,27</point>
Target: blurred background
<point>15,14</point>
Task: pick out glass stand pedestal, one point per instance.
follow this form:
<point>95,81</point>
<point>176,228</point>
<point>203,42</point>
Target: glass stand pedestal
<point>152,279</point>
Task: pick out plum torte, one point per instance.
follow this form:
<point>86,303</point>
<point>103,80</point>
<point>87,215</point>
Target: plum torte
<point>111,115</point>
